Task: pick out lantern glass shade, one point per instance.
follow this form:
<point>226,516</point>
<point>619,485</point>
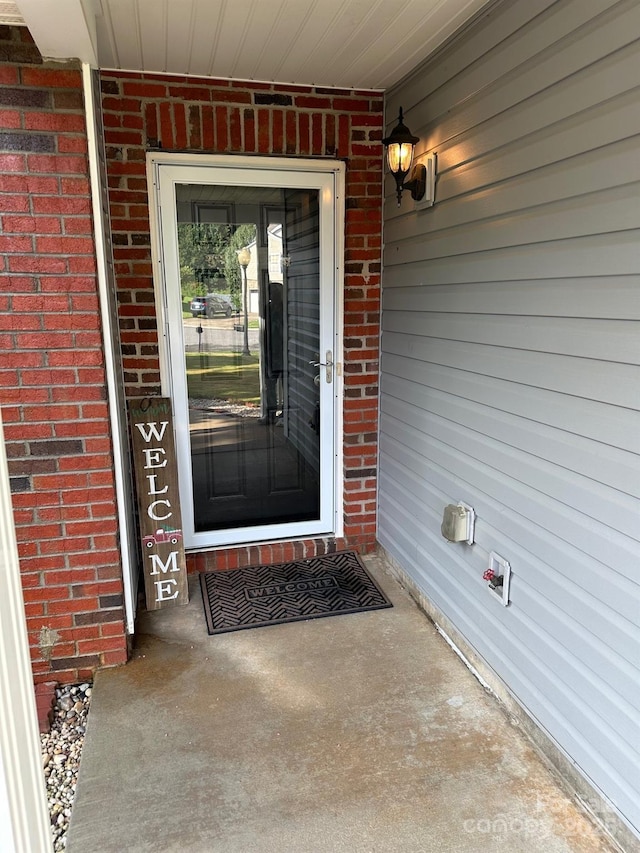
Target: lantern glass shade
<point>399,157</point>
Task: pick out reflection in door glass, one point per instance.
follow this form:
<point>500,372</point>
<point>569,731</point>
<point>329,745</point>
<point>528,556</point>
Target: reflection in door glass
<point>249,277</point>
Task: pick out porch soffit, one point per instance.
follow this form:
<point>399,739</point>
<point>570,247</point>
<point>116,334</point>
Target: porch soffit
<point>353,44</point>
<point>9,13</point>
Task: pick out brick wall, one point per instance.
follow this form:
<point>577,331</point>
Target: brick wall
<point>52,379</point>
<point>143,111</point>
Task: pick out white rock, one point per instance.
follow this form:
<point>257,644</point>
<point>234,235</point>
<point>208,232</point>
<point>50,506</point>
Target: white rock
<point>61,750</point>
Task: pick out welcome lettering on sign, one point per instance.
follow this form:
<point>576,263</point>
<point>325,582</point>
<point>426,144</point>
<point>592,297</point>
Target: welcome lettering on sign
<point>156,473</point>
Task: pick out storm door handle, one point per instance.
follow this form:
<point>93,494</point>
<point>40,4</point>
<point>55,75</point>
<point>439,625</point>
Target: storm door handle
<point>328,365</point>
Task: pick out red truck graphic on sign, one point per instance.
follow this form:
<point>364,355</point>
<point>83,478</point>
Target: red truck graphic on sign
<point>162,536</point>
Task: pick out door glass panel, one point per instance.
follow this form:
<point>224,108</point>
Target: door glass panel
<point>249,281</point>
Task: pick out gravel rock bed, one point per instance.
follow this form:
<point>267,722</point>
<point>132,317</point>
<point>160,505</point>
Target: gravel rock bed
<point>61,750</point>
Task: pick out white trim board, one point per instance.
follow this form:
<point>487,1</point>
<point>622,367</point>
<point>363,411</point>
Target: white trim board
<point>24,818</point>
<point>125,522</point>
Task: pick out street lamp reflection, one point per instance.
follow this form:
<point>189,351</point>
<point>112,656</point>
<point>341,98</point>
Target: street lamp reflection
<point>244,258</point>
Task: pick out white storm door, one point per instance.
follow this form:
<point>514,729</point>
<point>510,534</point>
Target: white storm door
<point>249,280</point>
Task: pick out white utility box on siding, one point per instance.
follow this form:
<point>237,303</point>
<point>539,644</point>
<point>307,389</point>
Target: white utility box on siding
<point>458,523</point>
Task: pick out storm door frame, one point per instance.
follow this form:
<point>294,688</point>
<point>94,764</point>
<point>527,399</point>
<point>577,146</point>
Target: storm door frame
<point>328,177</point>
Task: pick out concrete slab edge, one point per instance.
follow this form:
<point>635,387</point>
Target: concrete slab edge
<point>588,797</point>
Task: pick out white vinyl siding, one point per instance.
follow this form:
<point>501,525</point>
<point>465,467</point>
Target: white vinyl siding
<point>510,363</point>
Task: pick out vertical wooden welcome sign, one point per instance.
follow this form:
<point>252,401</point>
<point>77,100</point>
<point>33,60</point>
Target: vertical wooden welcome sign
<point>156,473</point>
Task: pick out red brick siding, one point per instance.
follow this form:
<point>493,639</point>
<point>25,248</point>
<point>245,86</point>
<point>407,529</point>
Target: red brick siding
<point>219,116</point>
<point>52,379</point>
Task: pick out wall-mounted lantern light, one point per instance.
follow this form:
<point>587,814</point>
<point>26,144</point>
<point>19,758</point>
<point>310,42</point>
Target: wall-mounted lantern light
<point>400,145</point>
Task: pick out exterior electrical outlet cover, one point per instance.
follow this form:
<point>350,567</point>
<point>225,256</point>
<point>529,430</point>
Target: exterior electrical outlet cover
<point>471,522</point>
<point>458,522</point>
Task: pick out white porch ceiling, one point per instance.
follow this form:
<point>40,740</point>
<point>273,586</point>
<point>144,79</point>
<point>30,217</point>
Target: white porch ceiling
<point>9,12</point>
<point>362,44</point>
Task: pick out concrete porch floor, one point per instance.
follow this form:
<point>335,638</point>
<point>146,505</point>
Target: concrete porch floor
<point>355,733</point>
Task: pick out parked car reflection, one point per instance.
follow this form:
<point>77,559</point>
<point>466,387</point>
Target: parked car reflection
<point>211,304</point>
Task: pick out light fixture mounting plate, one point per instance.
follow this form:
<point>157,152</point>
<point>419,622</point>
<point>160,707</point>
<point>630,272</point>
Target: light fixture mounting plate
<point>429,162</point>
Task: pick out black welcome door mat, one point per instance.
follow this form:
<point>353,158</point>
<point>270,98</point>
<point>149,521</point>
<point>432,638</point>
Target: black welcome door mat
<point>257,596</point>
